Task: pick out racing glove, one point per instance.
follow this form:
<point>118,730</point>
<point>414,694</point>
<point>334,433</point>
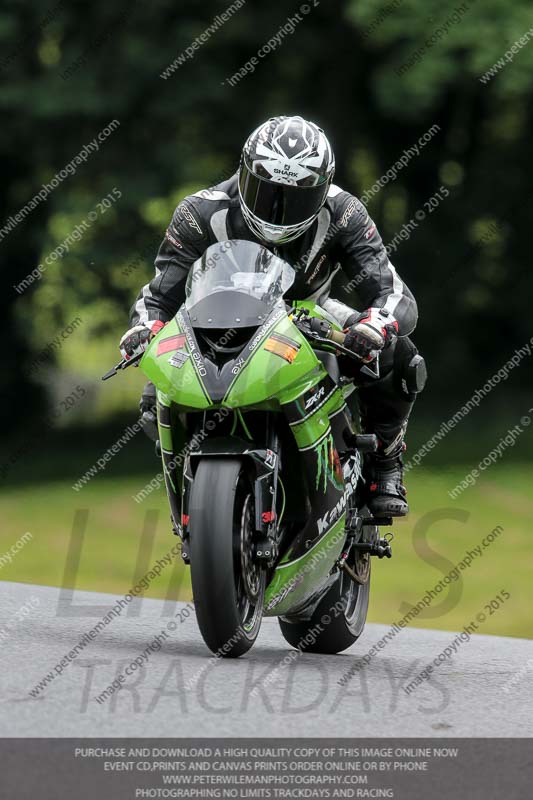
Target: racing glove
<point>369,334</point>
<point>136,340</point>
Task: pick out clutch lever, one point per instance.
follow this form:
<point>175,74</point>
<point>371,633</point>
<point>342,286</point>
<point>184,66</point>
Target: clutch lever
<point>124,363</point>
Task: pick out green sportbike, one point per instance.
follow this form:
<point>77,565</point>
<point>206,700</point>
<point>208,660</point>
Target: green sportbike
<point>268,501</point>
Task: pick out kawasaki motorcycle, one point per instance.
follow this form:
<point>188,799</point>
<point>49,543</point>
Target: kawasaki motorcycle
<point>268,500</point>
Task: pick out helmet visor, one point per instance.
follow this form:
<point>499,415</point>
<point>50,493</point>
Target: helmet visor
<point>278,204</point>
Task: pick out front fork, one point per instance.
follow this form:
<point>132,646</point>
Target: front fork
<point>264,464</point>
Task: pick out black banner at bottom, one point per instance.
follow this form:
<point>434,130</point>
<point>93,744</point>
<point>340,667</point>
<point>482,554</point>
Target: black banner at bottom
<point>127,769</point>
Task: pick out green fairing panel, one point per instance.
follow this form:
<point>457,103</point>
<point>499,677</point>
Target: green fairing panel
<point>293,582</point>
<point>268,375</point>
<point>182,386</point>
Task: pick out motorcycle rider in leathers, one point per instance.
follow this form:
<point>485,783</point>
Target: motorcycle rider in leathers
<point>283,197</point>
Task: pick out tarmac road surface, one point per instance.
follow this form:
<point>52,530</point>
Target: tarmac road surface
<point>485,689</point>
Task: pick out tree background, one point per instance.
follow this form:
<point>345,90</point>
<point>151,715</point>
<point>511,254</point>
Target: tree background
<point>69,69</point>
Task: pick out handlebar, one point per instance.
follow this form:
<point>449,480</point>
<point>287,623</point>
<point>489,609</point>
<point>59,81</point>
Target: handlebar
<point>317,329</point>
<point>321,331</point>
<point>336,336</point>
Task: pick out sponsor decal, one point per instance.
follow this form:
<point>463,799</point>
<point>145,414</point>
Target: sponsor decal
<point>331,516</point>
<point>238,366</point>
<point>186,214</point>
<point>353,472</point>
<point>316,270</point>
<point>282,346</point>
<point>370,232</point>
<point>349,212</point>
<point>171,343</point>
<point>314,398</point>
<point>178,359</point>
<point>286,172</point>
<point>195,353</point>
<point>264,328</point>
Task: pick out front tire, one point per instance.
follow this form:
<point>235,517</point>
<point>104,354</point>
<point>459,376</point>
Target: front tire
<point>228,586</point>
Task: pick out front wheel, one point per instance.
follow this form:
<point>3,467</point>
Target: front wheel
<point>228,586</point>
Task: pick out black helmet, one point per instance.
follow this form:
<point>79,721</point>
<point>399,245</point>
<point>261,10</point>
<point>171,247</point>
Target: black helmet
<point>286,169</point>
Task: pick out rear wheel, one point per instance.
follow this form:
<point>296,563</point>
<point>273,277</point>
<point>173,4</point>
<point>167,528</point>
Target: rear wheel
<point>228,586</point>
<point>339,619</point>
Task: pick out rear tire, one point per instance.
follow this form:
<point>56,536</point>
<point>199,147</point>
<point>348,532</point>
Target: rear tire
<point>228,587</point>
<point>339,619</point>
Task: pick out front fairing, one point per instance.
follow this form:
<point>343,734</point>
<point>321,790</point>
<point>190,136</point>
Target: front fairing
<point>275,367</point>
<point>169,364</point>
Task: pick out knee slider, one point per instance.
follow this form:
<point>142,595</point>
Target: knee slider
<point>416,374</point>
<point>409,367</point>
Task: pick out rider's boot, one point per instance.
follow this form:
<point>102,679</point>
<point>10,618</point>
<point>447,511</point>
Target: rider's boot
<point>385,411</point>
<point>385,492</point>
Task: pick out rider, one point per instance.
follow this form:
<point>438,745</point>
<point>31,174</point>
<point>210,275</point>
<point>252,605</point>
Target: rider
<point>283,197</point>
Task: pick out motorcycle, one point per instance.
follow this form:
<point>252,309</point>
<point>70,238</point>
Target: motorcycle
<point>269,501</point>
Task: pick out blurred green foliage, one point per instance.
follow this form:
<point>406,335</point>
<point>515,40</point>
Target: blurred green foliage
<point>68,70</point>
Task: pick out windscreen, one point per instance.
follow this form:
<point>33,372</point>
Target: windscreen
<point>242,267</point>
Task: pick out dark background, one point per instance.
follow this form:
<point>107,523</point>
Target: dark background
<point>68,69</point>
<point>72,68</point>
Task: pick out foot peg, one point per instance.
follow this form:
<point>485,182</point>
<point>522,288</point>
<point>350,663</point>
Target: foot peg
<point>381,548</point>
<point>379,521</point>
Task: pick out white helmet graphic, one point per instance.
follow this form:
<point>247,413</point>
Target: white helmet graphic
<point>286,169</point>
